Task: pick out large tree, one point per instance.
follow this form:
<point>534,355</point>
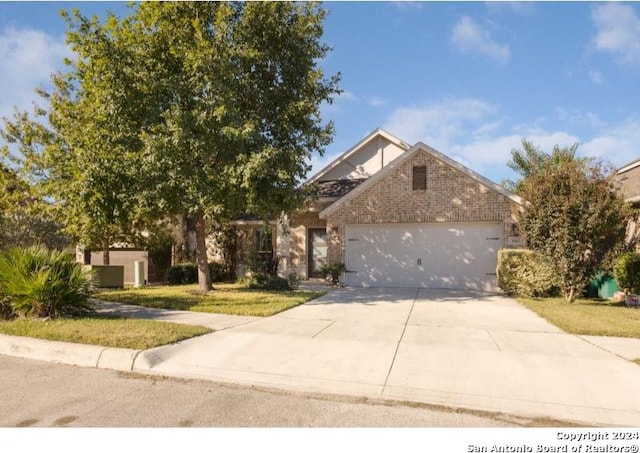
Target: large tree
<point>573,216</point>
<point>528,159</point>
<point>205,108</point>
<point>25,219</point>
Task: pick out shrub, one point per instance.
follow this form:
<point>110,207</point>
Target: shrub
<point>187,273</point>
<point>220,272</point>
<point>268,282</point>
<point>182,274</point>
<point>524,273</point>
<point>626,271</point>
<point>39,282</point>
<point>293,278</point>
<point>333,270</point>
<point>263,262</point>
<point>5,308</point>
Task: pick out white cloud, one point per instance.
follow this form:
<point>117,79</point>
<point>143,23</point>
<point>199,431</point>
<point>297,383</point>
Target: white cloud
<point>347,96</point>
<point>439,123</point>
<point>472,132</point>
<point>579,118</point>
<point>618,144</point>
<point>522,8</point>
<point>408,5</point>
<point>596,76</point>
<point>489,156</point>
<point>468,37</point>
<point>27,59</point>
<point>376,101</point>
<point>617,31</point>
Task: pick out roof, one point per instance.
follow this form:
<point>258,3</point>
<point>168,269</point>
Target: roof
<point>630,166</point>
<point>337,188</point>
<point>628,179</point>
<point>357,147</point>
<point>436,154</point>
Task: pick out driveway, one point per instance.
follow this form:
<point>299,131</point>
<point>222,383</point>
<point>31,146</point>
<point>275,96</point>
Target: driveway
<point>453,348</point>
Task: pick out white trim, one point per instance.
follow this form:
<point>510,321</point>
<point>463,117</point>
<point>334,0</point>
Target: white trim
<point>436,154</point>
<point>629,166</point>
<point>250,222</point>
<point>632,199</point>
<point>357,147</point>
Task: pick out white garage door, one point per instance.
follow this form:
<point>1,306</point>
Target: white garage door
<point>432,255</point>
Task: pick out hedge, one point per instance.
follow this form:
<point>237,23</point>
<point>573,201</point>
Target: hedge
<point>523,273</point>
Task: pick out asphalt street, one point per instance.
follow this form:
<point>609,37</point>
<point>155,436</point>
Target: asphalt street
<point>42,394</point>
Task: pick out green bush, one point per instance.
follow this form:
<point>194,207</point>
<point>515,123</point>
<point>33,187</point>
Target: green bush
<point>626,271</point>
<point>182,274</point>
<point>38,282</point>
<point>187,273</point>
<point>268,282</point>
<point>523,273</point>
<point>220,272</point>
<point>293,278</point>
<point>5,308</point>
<point>333,270</point>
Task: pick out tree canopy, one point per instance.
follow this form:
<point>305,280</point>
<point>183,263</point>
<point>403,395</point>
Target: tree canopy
<point>574,217</point>
<point>204,108</point>
<point>25,220</point>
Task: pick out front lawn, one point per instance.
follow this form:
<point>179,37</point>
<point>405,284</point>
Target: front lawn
<point>103,331</point>
<point>588,317</point>
<point>227,298</point>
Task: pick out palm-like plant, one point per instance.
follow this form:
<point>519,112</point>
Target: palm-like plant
<point>38,282</point>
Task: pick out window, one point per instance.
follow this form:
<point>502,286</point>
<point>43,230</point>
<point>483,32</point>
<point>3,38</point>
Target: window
<point>262,240</point>
<point>420,178</point>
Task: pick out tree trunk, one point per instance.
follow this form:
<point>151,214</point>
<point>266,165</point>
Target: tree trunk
<point>105,252</point>
<point>204,276</point>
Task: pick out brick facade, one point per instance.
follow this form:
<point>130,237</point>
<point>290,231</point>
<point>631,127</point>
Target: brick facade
<point>451,196</point>
<point>299,224</point>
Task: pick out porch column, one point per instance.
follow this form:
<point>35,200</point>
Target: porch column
<point>283,248</point>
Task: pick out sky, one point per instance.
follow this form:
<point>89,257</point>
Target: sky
<point>470,79</point>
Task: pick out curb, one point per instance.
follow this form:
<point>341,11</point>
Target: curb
<point>84,355</point>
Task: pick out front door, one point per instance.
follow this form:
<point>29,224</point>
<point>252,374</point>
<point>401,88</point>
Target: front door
<point>316,251</point>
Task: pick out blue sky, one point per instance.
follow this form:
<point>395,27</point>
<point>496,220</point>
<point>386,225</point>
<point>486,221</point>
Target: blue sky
<point>470,79</point>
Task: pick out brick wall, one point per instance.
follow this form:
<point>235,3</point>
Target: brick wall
<point>451,196</point>
<point>299,224</point>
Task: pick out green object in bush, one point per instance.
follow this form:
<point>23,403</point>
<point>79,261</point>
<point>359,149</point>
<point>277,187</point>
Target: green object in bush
<point>626,271</point>
<point>603,286</point>
<point>266,281</point>
<point>38,282</point>
<point>524,273</point>
<point>334,270</point>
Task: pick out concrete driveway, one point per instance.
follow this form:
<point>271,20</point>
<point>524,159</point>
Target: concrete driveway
<point>453,348</point>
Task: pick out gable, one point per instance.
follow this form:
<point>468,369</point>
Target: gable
<point>369,160</point>
<point>453,192</point>
<point>363,160</point>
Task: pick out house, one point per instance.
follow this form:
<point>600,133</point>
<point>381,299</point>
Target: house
<point>627,179</point>
<point>397,216</point>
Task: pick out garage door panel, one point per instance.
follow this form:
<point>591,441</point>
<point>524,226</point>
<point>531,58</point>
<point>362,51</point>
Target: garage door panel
<point>423,255</point>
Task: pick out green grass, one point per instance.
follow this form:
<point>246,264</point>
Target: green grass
<point>588,317</point>
<point>103,331</point>
<point>227,298</point>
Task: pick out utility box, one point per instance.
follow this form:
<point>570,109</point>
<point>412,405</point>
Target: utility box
<point>108,276</point>
<point>138,270</point>
<point>603,286</point>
